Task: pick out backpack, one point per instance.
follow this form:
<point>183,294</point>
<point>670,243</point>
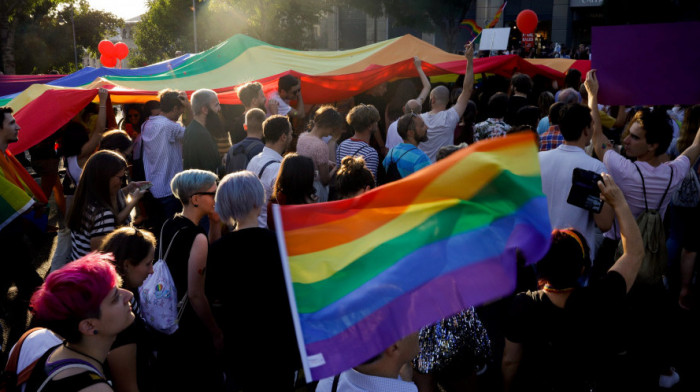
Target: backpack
<point>10,380</point>
<point>391,173</point>
<point>236,159</point>
<point>160,308</point>
<point>688,194</point>
<point>651,226</point>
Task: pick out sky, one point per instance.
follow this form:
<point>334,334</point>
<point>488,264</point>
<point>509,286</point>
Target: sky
<point>124,9</point>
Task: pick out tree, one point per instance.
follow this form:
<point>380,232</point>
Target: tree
<point>167,26</point>
<point>286,23</point>
<point>11,11</point>
<point>442,16</point>
<point>42,36</point>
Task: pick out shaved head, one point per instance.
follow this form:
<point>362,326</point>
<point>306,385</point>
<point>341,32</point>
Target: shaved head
<point>441,95</point>
<point>412,106</point>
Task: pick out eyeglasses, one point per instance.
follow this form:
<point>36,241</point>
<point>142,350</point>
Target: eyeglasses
<point>205,193</point>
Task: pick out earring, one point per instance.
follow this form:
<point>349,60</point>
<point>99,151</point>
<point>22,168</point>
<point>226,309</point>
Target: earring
<point>94,332</point>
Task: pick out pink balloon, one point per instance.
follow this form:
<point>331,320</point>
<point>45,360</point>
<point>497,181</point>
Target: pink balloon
<point>526,21</point>
<point>106,48</point>
<point>121,50</point>
<point>108,61</point>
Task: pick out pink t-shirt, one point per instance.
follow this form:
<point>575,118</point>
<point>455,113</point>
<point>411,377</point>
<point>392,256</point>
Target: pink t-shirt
<point>310,146</point>
<point>656,179</point>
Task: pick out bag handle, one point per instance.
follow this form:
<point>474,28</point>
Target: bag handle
<point>644,189</point>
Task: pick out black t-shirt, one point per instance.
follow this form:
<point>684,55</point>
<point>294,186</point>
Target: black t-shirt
<point>246,288</point>
<point>566,348</point>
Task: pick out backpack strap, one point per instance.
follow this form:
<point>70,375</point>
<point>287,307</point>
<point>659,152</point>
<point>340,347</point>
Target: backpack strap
<point>265,167</point>
<point>250,147</point>
<point>405,152</point>
<point>336,379</point>
<point>358,150</point>
<point>644,189</point>
<point>666,191</point>
<point>160,239</point>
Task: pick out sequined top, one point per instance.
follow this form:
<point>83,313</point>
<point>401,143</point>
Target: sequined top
<point>458,337</point>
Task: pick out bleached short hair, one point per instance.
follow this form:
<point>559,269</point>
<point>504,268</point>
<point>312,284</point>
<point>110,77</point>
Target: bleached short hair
<point>238,194</point>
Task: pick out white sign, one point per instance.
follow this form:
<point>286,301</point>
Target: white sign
<point>494,39</point>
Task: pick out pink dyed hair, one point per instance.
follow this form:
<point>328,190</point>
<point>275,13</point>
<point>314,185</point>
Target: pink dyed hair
<point>74,293</point>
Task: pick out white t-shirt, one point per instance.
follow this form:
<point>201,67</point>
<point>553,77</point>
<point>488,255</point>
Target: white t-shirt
<point>392,136</point>
<point>655,181</point>
<point>441,131</point>
<point>282,106</point>
<point>268,177</point>
<point>557,167</point>
<point>353,381</point>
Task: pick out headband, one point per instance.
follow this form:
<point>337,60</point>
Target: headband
<point>575,236</point>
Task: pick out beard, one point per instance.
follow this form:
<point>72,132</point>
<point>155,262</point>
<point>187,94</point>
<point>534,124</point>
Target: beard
<point>423,139</point>
<point>215,125</point>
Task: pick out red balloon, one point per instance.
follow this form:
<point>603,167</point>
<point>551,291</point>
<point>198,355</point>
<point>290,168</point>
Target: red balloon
<point>121,50</point>
<point>108,61</point>
<point>526,21</point>
<point>106,48</point>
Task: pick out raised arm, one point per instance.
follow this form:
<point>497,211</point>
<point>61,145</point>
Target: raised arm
<point>633,248</point>
<point>298,112</point>
<point>601,144</point>
<point>468,85</point>
<point>423,79</point>
<point>188,115</point>
<point>100,125</point>
<point>693,151</point>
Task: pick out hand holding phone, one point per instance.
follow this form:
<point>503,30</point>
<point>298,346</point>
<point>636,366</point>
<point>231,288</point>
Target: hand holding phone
<point>585,192</point>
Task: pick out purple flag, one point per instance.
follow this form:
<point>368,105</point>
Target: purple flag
<point>650,64</point>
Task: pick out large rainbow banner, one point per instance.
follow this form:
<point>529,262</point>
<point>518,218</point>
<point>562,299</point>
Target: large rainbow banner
<point>362,273</point>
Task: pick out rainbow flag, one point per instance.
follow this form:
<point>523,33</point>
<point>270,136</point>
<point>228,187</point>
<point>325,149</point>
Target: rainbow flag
<point>362,273</point>
<point>497,16</point>
<point>471,24</point>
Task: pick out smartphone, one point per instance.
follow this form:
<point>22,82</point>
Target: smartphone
<point>584,191</point>
<point>145,186</point>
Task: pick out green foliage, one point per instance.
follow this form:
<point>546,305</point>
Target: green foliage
<point>167,27</point>
<point>286,23</point>
<point>44,38</point>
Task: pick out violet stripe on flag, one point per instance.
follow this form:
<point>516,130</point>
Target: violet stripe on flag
<point>448,242</point>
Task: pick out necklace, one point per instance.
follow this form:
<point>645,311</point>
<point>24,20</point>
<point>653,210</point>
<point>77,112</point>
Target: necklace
<point>65,344</point>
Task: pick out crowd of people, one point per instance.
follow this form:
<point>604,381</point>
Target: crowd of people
<point>193,182</point>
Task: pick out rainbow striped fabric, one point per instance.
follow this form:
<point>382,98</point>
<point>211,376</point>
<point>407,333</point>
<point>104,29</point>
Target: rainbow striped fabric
<point>364,272</point>
<point>497,16</point>
<point>471,24</point>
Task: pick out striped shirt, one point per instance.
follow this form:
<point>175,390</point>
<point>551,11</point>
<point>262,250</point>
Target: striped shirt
<point>96,222</point>
<point>355,147</point>
<point>162,153</point>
